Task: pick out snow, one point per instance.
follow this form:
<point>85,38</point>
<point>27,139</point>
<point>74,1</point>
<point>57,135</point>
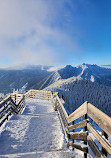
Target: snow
<point>36,133</point>
<point>92,78</point>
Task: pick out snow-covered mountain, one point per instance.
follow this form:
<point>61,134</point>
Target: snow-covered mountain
<point>85,82</point>
<point>93,73</point>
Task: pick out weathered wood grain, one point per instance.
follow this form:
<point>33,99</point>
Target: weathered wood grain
<point>100,139</point>
<point>103,120</point>
<point>78,125</point>
<point>82,110</point>
<point>78,136</point>
<point>78,146</point>
<point>94,148</point>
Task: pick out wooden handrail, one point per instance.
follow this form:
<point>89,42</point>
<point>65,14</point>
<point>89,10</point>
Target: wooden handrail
<point>100,118</point>
<point>81,111</point>
<point>103,120</point>
<point>102,141</point>
<point>65,113</point>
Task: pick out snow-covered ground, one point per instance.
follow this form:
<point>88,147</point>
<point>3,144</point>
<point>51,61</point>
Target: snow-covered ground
<point>35,133</point>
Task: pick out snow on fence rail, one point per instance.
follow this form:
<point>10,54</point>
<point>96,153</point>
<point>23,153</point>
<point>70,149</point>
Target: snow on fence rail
<point>15,103</point>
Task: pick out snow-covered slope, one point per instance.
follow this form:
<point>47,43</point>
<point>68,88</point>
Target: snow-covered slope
<point>76,90</point>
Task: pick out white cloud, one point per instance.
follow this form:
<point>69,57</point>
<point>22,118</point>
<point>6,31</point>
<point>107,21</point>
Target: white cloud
<point>31,33</point>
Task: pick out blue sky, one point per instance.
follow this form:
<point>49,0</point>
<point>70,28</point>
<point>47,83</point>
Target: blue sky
<point>55,32</point>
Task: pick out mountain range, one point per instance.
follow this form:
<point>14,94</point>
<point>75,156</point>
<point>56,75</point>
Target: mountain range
<point>39,77</point>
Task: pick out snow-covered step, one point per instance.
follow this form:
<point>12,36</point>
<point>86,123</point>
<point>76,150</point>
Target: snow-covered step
<point>35,133</point>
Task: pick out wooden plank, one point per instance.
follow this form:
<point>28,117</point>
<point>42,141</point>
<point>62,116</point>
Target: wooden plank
<point>103,120</point>
<point>78,136</point>
<point>4,118</point>
<point>82,110</point>
<point>78,125</point>
<point>62,115</point>
<point>63,127</point>
<point>40,95</point>
<point>4,101</point>
<point>40,91</point>
<point>94,148</point>
<point>100,139</point>
<point>27,94</point>
<point>78,146</point>
<point>60,103</point>
<point>37,97</point>
<point>5,109</point>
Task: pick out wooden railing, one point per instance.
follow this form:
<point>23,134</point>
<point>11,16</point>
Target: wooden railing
<point>88,112</point>
<point>38,94</point>
<point>15,103</point>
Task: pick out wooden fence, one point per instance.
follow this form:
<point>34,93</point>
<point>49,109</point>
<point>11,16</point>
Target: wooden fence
<point>88,112</point>
<point>15,103</point>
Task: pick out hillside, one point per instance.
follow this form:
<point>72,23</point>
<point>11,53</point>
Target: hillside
<point>31,77</point>
<point>75,91</point>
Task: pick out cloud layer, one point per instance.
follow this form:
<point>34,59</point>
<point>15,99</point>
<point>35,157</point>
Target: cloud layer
<point>38,32</point>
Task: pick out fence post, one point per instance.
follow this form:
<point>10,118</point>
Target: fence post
<point>15,98</point>
<point>68,137</point>
<point>55,106</point>
<point>106,136</point>
<point>73,139</point>
<point>85,129</point>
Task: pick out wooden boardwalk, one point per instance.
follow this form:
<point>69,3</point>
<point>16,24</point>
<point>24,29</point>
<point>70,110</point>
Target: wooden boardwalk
<point>35,133</point>
<point>38,129</point>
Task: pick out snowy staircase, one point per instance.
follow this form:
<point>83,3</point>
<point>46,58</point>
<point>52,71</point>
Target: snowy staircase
<point>37,132</point>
